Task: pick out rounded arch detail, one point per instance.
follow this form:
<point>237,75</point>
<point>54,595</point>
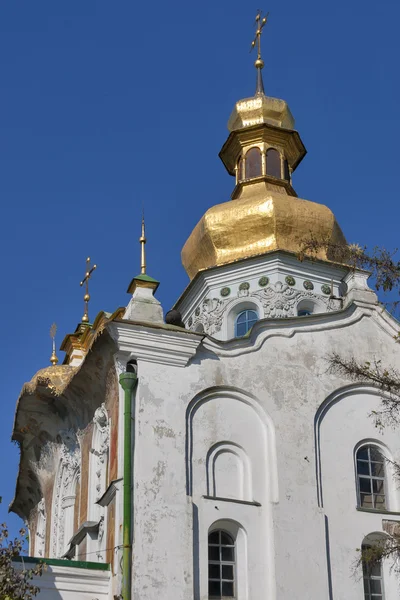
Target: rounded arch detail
<point>267,425</point>
<point>333,398</point>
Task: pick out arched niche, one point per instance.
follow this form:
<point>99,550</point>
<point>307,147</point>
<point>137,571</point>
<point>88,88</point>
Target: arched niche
<point>343,422</point>
<point>99,460</point>
<point>229,472</point>
<point>219,419</point>
<point>65,494</point>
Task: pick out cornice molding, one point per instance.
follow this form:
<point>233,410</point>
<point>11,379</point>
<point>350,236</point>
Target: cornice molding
<point>287,328</point>
<point>161,345</point>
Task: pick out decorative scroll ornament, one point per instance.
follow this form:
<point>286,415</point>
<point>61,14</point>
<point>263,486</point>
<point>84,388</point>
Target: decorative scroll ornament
<point>279,300</point>
<point>210,315</point>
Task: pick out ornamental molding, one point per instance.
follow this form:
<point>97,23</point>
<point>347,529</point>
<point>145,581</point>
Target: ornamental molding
<point>279,300</point>
<point>252,269</point>
<point>287,328</point>
<point>64,490</point>
<point>156,344</point>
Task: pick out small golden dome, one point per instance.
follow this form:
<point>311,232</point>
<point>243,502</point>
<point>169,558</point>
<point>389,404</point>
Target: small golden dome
<point>259,221</point>
<point>56,378</point>
<point>260,109</point>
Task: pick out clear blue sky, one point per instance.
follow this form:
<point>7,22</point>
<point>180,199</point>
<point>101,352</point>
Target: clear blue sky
<point>108,105</point>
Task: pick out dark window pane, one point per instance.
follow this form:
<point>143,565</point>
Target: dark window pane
<point>227,554</point>
<point>213,537</point>
<point>376,587</point>
<point>244,321</point>
<point>253,163</point>
<point>375,454</point>
<point>366,501</point>
<point>363,453</point>
<point>213,553</point>
<point>362,467</point>
<point>214,589</point>
<point>241,329</point>
<point>273,163</point>
<point>365,485</point>
<point>377,486</point>
<point>377,469</point>
<point>227,589</point>
<point>375,570</point>
<point>213,571</point>
<point>227,572</point>
<point>226,539</point>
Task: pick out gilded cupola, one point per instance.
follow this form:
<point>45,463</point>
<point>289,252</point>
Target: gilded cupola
<point>262,151</point>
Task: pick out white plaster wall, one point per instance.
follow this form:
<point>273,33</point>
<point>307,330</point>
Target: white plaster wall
<point>69,583</point>
<point>283,368</point>
<point>350,418</point>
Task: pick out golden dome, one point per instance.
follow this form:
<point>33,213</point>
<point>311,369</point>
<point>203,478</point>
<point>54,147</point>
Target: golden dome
<point>55,378</point>
<point>259,220</point>
<point>260,109</point>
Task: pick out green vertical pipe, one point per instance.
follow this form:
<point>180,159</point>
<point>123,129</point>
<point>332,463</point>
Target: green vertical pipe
<point>127,382</point>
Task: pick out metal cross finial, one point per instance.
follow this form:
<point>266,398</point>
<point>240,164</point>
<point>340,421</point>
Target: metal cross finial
<point>260,22</point>
<point>53,357</point>
<point>142,241</point>
<point>86,297</point>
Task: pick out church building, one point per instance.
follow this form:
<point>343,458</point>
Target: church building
<point>211,452</point>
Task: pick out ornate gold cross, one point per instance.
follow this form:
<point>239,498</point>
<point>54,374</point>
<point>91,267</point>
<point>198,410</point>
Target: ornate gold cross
<point>260,22</point>
<point>86,297</point>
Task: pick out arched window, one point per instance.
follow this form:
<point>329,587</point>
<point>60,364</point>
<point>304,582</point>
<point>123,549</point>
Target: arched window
<point>370,466</point>
<point>221,565</point>
<point>240,167</point>
<point>274,163</point>
<point>244,322</point>
<point>372,574</point>
<point>304,312</point>
<point>253,163</point>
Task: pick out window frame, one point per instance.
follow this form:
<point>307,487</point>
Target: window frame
<point>371,478</point>
<point>247,321</point>
<point>278,156</point>
<point>253,161</point>
<point>221,563</point>
<point>368,577</point>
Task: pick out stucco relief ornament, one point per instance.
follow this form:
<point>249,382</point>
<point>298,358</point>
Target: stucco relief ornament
<point>279,300</point>
<point>100,448</point>
<point>68,471</point>
<point>244,289</point>
<point>41,528</point>
<point>211,315</point>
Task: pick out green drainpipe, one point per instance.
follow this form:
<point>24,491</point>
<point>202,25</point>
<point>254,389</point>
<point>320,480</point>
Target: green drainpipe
<point>128,382</point>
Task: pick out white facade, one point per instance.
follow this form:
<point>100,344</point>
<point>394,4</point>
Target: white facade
<point>255,436</point>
